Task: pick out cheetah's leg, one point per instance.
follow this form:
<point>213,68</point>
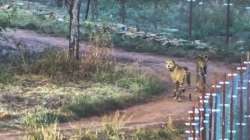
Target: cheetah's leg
<point>176,90</point>
<point>180,92</point>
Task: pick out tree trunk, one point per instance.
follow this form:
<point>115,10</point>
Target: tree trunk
<point>155,22</point>
<point>94,10</point>
<point>59,3</point>
<point>87,10</point>
<point>122,11</point>
<point>74,31</point>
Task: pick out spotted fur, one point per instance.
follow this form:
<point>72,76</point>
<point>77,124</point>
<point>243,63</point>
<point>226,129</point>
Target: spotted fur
<point>179,75</point>
<point>201,73</point>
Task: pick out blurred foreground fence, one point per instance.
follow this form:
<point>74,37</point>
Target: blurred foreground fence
<point>224,112</point>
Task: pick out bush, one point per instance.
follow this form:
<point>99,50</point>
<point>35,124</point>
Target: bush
<point>150,46</point>
<point>43,117</point>
<point>101,99</point>
<point>56,64</point>
<point>112,129</point>
<point>44,133</point>
<point>6,75</point>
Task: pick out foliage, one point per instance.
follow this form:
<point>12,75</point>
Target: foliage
<point>90,86</point>
<point>111,130</point>
<point>20,18</point>
<point>69,91</point>
<point>109,97</point>
<point>42,117</point>
<point>44,133</point>
<point>6,75</point>
<point>55,64</point>
<point>143,45</point>
<point>208,26</point>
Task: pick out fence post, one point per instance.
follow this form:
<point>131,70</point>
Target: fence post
<point>202,117</point>
<point>224,107</point>
<point>193,124</point>
<point>208,122</point>
<point>248,96</point>
<point>210,117</point>
<point>232,107</point>
<point>215,111</point>
<point>241,116</point>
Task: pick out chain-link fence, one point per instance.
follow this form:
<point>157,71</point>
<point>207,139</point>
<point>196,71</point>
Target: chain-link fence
<point>224,112</point>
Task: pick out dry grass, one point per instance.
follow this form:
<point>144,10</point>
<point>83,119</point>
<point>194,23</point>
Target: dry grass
<point>44,133</point>
<point>112,130</point>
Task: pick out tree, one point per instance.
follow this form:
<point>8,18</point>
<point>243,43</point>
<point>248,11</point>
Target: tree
<point>87,10</point>
<point>122,11</point>
<point>94,9</point>
<point>74,27</point>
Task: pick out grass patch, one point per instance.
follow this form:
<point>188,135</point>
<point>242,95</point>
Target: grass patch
<point>6,75</point>
<point>73,89</point>
<point>44,133</point>
<point>125,91</point>
<point>16,17</point>
<point>111,130</point>
<point>43,117</point>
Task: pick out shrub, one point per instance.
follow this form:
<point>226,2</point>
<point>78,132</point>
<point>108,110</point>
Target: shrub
<point>56,64</point>
<point>6,75</point>
<point>103,99</point>
<point>168,132</point>
<point>112,129</point>
<point>42,117</point>
<point>84,135</point>
<point>44,133</point>
<point>108,99</point>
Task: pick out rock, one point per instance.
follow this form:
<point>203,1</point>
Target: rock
<point>5,7</point>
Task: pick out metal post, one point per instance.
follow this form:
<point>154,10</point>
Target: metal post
<point>190,19</point>
<point>224,108</point>
<point>200,118</point>
<point>248,96</point>
<point>203,133</point>
<point>193,125</point>
<point>241,104</point>
<point>215,115</point>
<point>211,116</point>
<point>232,109</point>
<point>248,102</point>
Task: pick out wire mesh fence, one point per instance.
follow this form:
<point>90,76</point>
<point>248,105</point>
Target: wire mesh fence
<point>224,112</point>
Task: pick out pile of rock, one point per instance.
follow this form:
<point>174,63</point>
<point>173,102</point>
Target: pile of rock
<point>162,39</point>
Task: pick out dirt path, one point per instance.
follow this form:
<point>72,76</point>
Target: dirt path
<point>152,113</point>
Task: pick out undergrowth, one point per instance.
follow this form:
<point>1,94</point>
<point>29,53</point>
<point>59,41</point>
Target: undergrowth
<point>112,129</point>
<point>23,19</point>
<point>70,89</point>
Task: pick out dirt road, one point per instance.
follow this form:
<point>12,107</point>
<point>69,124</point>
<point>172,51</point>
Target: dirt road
<point>154,112</point>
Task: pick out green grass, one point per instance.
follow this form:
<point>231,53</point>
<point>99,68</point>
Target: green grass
<point>24,19</point>
<point>43,117</point>
<point>111,130</point>
<point>42,101</point>
<point>6,76</point>
<point>54,89</point>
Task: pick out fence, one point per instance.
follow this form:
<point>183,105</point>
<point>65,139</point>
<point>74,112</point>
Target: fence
<point>224,112</point>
